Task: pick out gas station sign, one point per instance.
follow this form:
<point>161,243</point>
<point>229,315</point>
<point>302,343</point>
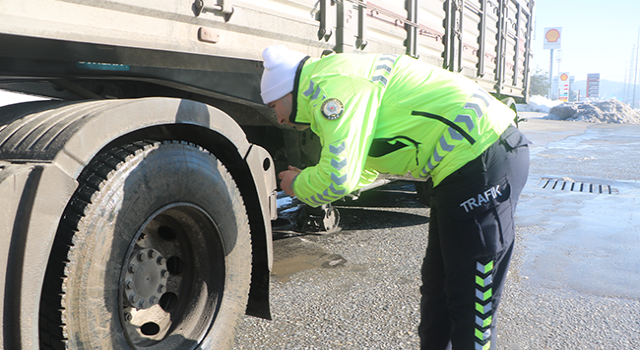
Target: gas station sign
<point>564,86</point>
<point>552,38</point>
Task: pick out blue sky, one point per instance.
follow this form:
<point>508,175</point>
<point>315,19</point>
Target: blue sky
<point>597,36</point>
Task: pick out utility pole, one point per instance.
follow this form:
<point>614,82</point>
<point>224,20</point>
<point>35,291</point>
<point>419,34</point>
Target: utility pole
<point>628,77</point>
<point>635,78</point>
<point>631,76</point>
<point>624,90</point>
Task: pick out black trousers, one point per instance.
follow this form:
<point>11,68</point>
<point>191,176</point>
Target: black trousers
<point>471,238</point>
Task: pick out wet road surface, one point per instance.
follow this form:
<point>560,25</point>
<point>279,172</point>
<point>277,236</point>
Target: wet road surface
<point>573,283</point>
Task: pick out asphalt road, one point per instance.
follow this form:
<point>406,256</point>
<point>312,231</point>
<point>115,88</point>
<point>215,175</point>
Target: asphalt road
<point>573,282</point>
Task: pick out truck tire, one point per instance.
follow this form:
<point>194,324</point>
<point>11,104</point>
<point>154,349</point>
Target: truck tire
<point>153,251</point>
<point>511,103</point>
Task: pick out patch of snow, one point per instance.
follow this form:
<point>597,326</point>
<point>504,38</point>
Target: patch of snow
<point>541,104</point>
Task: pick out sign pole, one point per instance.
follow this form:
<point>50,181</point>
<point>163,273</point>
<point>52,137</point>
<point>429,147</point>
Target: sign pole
<point>551,76</point>
<point>552,41</point>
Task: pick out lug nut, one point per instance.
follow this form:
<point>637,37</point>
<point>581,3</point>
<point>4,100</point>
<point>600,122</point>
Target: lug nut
<point>152,253</point>
<point>142,257</point>
<point>133,298</point>
<point>132,268</point>
<point>141,304</point>
<point>153,300</point>
<point>164,273</point>
<point>161,289</point>
<point>160,261</point>
<point>128,284</point>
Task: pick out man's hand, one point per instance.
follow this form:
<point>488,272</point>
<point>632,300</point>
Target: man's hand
<point>287,178</point>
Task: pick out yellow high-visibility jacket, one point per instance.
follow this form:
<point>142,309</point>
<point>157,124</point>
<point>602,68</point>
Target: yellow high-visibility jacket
<point>378,113</point>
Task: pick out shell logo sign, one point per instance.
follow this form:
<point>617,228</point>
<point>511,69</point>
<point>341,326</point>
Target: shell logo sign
<point>552,38</point>
<point>564,77</point>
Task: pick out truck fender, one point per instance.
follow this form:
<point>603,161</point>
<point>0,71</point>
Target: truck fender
<point>44,146</point>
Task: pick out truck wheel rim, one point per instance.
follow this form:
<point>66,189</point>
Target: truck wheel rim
<point>172,278</point>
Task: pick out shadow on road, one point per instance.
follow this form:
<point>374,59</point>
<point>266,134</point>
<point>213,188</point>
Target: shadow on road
<point>367,219</point>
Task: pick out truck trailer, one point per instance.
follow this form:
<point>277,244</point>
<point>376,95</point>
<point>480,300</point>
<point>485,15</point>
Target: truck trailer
<point>137,200</point>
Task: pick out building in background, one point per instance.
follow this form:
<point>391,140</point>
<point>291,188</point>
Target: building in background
<point>593,86</point>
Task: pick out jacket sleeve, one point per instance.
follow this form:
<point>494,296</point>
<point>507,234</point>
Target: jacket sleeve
<point>345,140</point>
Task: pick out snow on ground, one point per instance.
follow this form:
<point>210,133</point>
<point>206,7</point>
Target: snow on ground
<point>540,104</point>
<point>609,111</point>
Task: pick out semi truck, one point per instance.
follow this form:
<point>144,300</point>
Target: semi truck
<point>137,199</point>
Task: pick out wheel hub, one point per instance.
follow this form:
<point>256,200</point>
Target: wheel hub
<point>167,291</point>
<point>145,278</point>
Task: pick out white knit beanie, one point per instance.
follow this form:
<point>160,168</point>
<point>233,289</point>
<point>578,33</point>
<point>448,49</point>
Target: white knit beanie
<point>280,65</point>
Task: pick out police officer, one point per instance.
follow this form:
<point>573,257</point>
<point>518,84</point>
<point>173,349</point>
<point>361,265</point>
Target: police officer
<point>382,113</point>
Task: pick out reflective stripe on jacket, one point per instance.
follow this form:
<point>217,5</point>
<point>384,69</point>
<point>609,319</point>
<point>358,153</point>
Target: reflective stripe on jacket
<point>378,113</point>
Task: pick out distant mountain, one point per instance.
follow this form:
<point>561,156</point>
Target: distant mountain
<point>608,90</point>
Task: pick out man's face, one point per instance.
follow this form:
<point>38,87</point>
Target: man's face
<point>282,107</point>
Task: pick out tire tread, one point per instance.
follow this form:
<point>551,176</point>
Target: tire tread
<point>52,299</point>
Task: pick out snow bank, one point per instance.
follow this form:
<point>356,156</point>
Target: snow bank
<point>610,111</point>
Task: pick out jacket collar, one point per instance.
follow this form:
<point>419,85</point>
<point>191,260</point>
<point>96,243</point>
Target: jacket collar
<point>296,85</point>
